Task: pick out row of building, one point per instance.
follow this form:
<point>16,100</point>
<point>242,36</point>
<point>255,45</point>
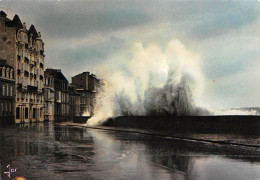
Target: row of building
<point>28,93</point>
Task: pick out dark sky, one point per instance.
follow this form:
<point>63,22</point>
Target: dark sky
<point>88,35</point>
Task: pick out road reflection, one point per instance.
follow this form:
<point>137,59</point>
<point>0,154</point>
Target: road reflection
<point>48,151</point>
<point>176,158</point>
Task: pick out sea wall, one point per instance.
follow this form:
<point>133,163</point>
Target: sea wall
<point>198,124</point>
<point>80,119</point>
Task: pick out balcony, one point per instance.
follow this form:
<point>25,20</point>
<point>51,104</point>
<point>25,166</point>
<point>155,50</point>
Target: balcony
<point>26,59</point>
<point>32,88</point>
<point>19,86</point>
<point>26,73</point>
<point>41,65</point>
<point>18,71</point>
<point>41,52</point>
<point>19,58</point>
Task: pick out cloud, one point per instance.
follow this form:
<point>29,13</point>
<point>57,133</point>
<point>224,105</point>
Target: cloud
<point>77,19</point>
<point>85,57</point>
<point>81,35</point>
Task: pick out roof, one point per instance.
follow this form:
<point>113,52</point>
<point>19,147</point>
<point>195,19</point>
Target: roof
<point>33,31</point>
<point>60,76</point>
<point>9,22</point>
<point>2,13</point>
<point>57,74</point>
<point>3,63</point>
<point>17,22</point>
<point>83,73</point>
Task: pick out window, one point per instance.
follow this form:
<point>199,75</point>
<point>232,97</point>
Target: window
<point>26,113</point>
<point>7,73</point>
<point>11,74</point>
<point>11,108</point>
<point>11,90</point>
<point>1,109</point>
<point>4,108</point>
<point>17,113</point>
<point>3,90</point>
<point>7,90</point>
<point>34,113</point>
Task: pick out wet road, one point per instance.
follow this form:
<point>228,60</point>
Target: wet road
<point>48,151</point>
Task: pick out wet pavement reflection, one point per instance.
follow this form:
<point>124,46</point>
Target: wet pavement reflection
<point>49,151</point>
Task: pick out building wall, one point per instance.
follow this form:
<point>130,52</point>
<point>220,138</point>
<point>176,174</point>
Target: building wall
<point>7,95</point>
<point>24,50</point>
<point>7,42</point>
<point>86,102</point>
<point>86,85</point>
<point>80,81</point>
<point>61,99</point>
<point>62,106</point>
<point>49,97</point>
<point>74,104</point>
<point>30,74</point>
<point>92,83</point>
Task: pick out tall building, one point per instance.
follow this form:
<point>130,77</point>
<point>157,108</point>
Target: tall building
<point>61,95</point>
<point>86,85</point>
<point>24,51</point>
<point>7,93</point>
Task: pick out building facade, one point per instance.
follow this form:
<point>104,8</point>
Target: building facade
<point>86,85</point>
<point>61,95</point>
<point>7,93</point>
<point>24,50</point>
<point>49,96</point>
<point>74,103</point>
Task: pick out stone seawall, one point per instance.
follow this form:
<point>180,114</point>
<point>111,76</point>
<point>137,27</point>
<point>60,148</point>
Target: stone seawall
<point>80,119</point>
<point>191,124</point>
